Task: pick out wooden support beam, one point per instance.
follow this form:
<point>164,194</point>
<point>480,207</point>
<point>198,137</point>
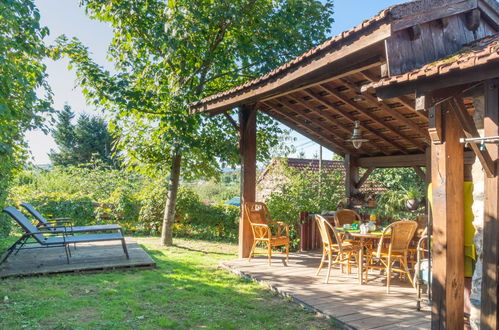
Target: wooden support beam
<point>453,78</point>
<point>302,122</point>
<point>404,100</point>
<point>308,131</point>
<point>392,161</point>
<point>392,112</point>
<point>232,122</point>
<point>364,177</point>
<point>435,124</point>
<point>489,313</point>
<point>347,115</point>
<point>420,173</point>
<point>336,124</point>
<point>247,146</point>
<point>351,177</point>
<point>470,131</point>
<point>448,227</point>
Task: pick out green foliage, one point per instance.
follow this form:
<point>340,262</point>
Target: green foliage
<point>99,194</point>
<point>304,191</point>
<point>24,92</point>
<point>81,143</point>
<point>402,184</point>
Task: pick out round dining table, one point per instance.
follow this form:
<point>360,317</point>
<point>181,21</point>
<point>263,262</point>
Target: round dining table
<point>374,235</point>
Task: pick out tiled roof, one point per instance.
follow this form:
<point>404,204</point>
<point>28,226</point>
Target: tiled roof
<point>369,186</point>
<point>289,66</point>
<point>481,52</point>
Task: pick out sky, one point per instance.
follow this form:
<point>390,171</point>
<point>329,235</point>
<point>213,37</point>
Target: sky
<point>66,17</point>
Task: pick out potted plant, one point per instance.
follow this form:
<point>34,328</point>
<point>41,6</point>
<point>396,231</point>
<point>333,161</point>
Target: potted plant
<point>413,198</point>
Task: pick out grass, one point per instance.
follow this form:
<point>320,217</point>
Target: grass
<point>187,290</point>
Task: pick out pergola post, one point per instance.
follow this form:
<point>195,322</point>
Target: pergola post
<point>447,170</point>
<point>351,177</point>
<point>489,313</point>
<point>247,148</point>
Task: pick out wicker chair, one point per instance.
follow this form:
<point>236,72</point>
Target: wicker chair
<point>258,216</point>
<point>397,250</point>
<point>343,250</point>
<point>345,216</point>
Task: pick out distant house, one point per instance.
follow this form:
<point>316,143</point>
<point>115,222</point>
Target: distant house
<point>273,176</point>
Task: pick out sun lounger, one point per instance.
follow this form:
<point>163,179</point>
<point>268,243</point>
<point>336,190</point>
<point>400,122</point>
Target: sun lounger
<point>68,223</point>
<point>53,236</point>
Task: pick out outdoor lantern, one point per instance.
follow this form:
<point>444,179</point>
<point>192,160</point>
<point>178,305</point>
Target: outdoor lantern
<point>356,138</point>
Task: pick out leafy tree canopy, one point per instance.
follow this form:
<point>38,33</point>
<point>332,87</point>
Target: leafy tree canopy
<point>24,92</point>
<point>168,54</point>
<point>81,143</point>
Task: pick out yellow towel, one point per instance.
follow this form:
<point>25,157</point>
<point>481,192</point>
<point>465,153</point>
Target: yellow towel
<point>469,229</point>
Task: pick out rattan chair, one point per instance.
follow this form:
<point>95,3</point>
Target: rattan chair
<point>345,216</point>
<point>257,214</point>
<point>400,234</point>
<point>343,250</point>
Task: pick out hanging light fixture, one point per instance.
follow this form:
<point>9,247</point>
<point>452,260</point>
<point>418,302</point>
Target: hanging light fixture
<point>356,138</point>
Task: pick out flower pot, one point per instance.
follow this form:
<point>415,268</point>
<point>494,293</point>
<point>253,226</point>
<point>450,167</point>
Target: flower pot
<point>412,204</point>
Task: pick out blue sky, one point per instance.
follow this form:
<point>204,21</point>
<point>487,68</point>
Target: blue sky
<point>66,17</point>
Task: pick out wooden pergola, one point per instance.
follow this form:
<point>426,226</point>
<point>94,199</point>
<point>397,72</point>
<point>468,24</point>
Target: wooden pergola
<point>396,75</point>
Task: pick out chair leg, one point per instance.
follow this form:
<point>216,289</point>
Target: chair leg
<point>66,248</point>
<point>269,249</point>
<point>330,258</point>
<point>287,253</point>
<point>407,273</point>
<point>388,273</point>
<point>252,250</point>
<point>322,261</point>
<point>123,243</point>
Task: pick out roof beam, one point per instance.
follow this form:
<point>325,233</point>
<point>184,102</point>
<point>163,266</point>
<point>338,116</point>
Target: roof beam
<point>452,78</point>
<point>394,113</point>
<point>310,132</point>
<point>470,131</point>
<point>352,119</point>
<point>330,121</point>
<point>372,117</point>
<point>401,99</point>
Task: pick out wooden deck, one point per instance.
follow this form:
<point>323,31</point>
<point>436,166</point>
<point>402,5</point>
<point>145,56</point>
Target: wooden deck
<point>343,299</point>
<point>87,258</point>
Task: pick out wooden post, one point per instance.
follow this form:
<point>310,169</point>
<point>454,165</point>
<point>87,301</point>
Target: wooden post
<point>448,224</point>
<point>489,313</point>
<point>351,177</point>
<point>247,147</point>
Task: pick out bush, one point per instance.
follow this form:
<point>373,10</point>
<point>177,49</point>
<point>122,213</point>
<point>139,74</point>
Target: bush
<point>99,194</point>
<point>304,191</point>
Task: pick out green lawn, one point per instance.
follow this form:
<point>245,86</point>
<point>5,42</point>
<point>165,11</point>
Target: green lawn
<point>187,290</point>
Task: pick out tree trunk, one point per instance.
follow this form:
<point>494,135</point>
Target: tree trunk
<point>171,202</point>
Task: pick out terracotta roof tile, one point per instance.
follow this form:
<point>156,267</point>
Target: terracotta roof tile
<point>480,52</point>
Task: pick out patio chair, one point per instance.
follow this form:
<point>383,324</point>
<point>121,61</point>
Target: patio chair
<point>54,236</point>
<point>422,270</point>
<point>397,250</point>
<point>343,250</point>
<point>68,222</point>
<point>345,216</point>
<point>258,216</point>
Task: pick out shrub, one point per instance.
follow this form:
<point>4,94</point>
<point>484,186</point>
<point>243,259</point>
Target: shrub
<point>304,191</point>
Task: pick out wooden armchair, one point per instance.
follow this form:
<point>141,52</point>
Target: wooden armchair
<point>397,250</point>
<point>343,250</point>
<point>258,216</point>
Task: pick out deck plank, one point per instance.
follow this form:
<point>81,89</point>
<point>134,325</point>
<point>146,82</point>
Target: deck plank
<point>87,257</point>
<point>343,298</point>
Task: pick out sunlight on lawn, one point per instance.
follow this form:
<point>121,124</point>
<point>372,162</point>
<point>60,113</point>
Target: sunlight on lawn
<point>187,290</point>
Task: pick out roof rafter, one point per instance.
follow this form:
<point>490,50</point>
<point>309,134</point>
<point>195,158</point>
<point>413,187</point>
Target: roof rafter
<point>347,131</point>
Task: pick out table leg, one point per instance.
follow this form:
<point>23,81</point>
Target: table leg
<point>360,268</point>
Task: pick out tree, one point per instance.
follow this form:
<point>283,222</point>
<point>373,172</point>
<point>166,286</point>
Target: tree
<point>87,140</point>
<point>24,93</point>
<point>168,54</point>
